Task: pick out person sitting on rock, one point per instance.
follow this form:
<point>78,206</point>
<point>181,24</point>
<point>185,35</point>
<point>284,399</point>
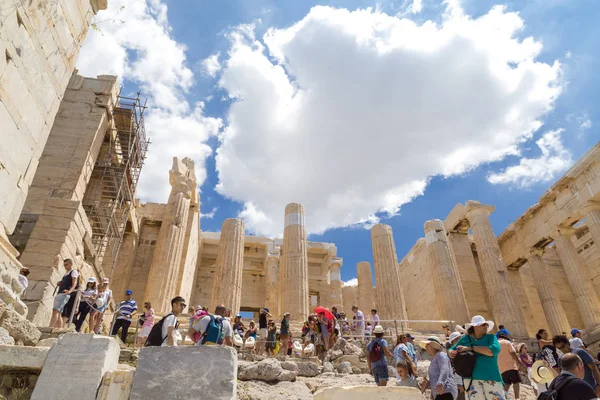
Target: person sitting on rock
<point>378,350</point>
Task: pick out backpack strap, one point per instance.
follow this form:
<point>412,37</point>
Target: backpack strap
<point>471,382</point>
<point>562,384</point>
<point>205,333</point>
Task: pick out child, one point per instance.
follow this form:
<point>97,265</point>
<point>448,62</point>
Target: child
<point>405,375</point>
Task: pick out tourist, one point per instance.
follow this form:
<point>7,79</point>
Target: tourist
<point>170,331</point>
<point>214,329</point>
<point>277,344</point>
<point>325,327</point>
<point>441,377</point>
<point>263,330</point>
<point>576,342</point>
<point>252,331</point>
<point>374,318</point>
<point>502,329</point>
<point>125,312</point>
<point>271,337</point>
<point>23,273</point>
<point>526,360</point>
<point>65,287</point>
<point>238,326</point>
<point>98,308</point>
<point>335,313</point>
<point>401,354</point>
<point>376,359</point>
<point>486,377</point>
<point>368,330</point>
<point>452,340</point>
<point>509,362</point>
<point>570,384</point>
<point>411,348</point>
<point>310,336</point>
<point>147,321</point>
<point>359,323</point>
<point>548,350</point>
<point>591,372</point>
<point>405,376</point>
<point>107,297</point>
<point>447,331</point>
<point>87,300</point>
<point>284,332</point>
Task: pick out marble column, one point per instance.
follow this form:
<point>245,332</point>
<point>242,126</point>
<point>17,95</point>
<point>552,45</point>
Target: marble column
<point>390,298</point>
<point>335,282</point>
<point>448,286</point>
<point>164,270</point>
<point>500,292</point>
<point>272,279</point>
<point>227,286</point>
<point>592,220</point>
<point>293,282</point>
<point>366,295</point>
<point>585,296</point>
<point>553,309</point>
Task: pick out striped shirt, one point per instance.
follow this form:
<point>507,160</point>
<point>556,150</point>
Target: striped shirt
<point>126,308</point>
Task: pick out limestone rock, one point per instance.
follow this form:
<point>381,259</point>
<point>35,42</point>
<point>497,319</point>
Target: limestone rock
<point>289,366</point>
<point>23,358</point>
<point>185,372</point>
<point>352,359</point>
<point>352,349</point>
<point>258,390</point>
<point>116,385</point>
<point>19,328</point>
<point>356,370</point>
<point>327,367</point>
<point>5,338</point>
<point>391,371</point>
<point>344,368</point>
<point>364,368</point>
<point>335,354</point>
<point>49,342</point>
<point>340,344</point>
<point>268,370</point>
<point>308,368</point>
<point>362,392</point>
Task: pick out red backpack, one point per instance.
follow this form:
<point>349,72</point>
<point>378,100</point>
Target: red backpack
<point>376,352</point>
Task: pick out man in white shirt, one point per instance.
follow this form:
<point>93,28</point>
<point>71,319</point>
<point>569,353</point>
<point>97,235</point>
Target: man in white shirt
<point>217,332</point>
<point>360,322</point>
<point>170,333</point>
<point>576,342</point>
<point>374,318</point>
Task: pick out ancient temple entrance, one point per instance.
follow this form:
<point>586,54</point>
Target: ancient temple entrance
<point>249,312</point>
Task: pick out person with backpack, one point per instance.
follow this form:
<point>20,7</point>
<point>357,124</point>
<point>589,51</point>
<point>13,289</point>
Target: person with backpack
<point>476,358</point>
<point>569,384</point>
<point>441,379</point>
<point>378,350</point>
<point>591,372</point>
<point>452,340</point>
<point>66,287</point>
<point>165,332</point>
<point>214,329</point>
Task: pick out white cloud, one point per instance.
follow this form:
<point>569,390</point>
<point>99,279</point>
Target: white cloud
<point>159,69</point>
<point>350,113</point>
<point>585,124</point>
<point>209,215</point>
<point>416,6</point>
<point>553,160</point>
<point>351,282</point>
<point>211,65</point>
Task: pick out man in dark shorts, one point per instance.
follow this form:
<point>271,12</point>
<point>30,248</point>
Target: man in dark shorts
<point>508,363</point>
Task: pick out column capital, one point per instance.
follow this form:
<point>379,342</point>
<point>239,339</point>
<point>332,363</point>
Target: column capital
<point>591,205</point>
<point>563,230</point>
<point>335,262</point>
<point>473,208</point>
<point>434,225</point>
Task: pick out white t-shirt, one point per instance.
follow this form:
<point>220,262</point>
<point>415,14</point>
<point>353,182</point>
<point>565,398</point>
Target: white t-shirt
<point>170,320</point>
<point>23,281</point>
<point>89,293</point>
<point>202,324</point>
<point>576,343</point>
<point>360,318</point>
<point>375,320</point>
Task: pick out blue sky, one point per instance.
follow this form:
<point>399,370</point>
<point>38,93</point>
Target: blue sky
<point>286,92</point>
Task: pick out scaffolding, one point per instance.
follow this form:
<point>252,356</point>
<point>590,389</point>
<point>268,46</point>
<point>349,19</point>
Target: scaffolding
<point>110,194</point>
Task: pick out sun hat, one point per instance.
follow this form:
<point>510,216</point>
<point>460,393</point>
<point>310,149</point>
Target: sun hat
<point>478,320</point>
<point>575,331</point>
<point>453,336</point>
<point>378,329</point>
<point>432,340</point>
<point>541,373</point>
<point>91,279</point>
<point>460,329</point>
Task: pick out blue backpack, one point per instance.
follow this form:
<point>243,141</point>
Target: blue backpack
<point>214,331</point>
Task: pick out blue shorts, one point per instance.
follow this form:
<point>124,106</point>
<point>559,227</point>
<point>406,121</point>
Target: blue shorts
<point>380,373</point>
<point>60,301</point>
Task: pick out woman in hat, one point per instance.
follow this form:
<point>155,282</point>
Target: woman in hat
<point>486,381</point>
<point>88,298</point>
<point>441,380</point>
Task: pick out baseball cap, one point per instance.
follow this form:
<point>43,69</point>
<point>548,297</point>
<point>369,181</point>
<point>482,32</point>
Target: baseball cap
<point>128,291</point>
<point>575,331</point>
<point>409,336</point>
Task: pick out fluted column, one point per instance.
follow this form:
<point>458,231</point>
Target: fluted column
<point>500,292</point>
<point>335,281</point>
<point>272,279</point>
<point>448,286</point>
<point>390,298</point>
<point>227,286</point>
<point>293,282</point>
<point>592,220</point>
<point>553,309</point>
<point>585,296</point>
<point>366,295</point>
<point>164,270</point>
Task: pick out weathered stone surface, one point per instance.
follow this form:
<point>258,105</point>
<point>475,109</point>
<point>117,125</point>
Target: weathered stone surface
<point>328,367</point>
<point>48,342</point>
<point>308,368</point>
<point>5,338</point>
<point>75,367</point>
<point>344,368</point>
<point>356,370</point>
<point>268,370</point>
<point>354,360</point>
<point>335,354</point>
<point>289,366</point>
<point>258,390</point>
<point>19,328</point>
<point>185,373</point>
<point>116,385</point>
<point>362,392</point>
<point>18,358</point>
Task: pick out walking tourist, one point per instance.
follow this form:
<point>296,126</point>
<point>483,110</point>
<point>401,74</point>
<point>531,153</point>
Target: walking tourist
<point>502,329</point>
<point>271,337</point>
<point>548,350</point>
<point>405,376</point>
<point>576,342</point>
<point>411,348</point>
<point>360,323</point>
<point>570,384</point>
<point>441,377</point>
<point>452,340</point>
<point>324,322</point>
<point>284,332</point>
<point>214,329</point>
<point>378,350</point>
<point>170,326</point>
<point>401,354</point>
<point>125,312</point>
<point>87,300</point>
<point>591,372</point>
<point>526,361</point>
<point>335,313</point>
<point>99,307</point>
<point>65,287</point>
<point>263,330</point>
<point>23,273</point>
<point>509,362</point>
<point>147,321</point>
<point>486,380</point>
<point>374,318</point>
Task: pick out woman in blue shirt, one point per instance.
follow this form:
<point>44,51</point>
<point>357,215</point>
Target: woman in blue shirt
<point>487,381</point>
